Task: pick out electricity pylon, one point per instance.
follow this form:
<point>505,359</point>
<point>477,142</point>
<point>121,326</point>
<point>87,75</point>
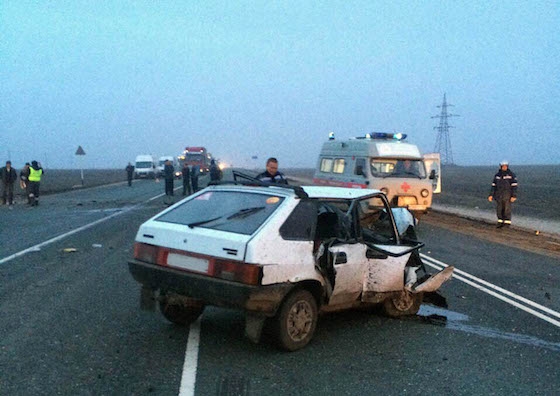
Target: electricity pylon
<point>443,143</point>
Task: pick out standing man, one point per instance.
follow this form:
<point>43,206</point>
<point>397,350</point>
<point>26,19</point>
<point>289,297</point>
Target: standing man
<point>504,192</point>
<point>186,172</point>
<point>272,175</point>
<point>215,172</point>
<point>23,180</point>
<point>195,170</point>
<point>9,177</point>
<point>168,175</point>
<point>129,173</point>
<point>35,174</point>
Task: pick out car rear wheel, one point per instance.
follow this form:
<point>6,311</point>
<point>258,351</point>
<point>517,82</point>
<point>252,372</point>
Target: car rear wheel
<point>180,310</point>
<point>402,304</point>
<point>296,320</point>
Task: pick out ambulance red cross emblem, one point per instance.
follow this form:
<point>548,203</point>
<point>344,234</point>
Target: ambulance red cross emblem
<point>405,186</point>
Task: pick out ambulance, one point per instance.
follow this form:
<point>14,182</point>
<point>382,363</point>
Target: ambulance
<point>382,161</point>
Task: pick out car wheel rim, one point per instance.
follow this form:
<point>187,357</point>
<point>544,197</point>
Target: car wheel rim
<point>300,320</point>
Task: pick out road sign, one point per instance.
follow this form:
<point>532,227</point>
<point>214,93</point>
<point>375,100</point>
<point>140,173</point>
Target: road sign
<point>80,151</point>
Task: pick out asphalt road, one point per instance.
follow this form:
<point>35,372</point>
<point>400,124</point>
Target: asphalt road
<point>70,321</point>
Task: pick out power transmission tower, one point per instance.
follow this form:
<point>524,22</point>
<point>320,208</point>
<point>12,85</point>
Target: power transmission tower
<point>443,143</point>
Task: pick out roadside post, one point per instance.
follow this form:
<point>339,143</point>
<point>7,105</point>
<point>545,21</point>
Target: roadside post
<point>80,151</point>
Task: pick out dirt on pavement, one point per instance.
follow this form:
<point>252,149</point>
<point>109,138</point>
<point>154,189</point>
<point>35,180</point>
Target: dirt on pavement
<point>530,241</point>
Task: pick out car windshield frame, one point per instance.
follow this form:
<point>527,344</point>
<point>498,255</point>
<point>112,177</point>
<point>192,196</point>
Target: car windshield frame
<point>240,212</point>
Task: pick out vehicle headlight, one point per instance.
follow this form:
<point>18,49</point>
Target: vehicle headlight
<point>385,190</point>
<point>424,193</point>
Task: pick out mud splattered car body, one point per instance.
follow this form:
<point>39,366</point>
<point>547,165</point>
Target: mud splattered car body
<point>282,254</point>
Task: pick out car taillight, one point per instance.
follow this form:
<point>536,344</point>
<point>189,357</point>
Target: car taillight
<point>145,252</point>
<point>249,274</point>
<point>150,253</point>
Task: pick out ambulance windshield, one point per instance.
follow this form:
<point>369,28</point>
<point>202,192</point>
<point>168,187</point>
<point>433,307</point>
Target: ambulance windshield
<point>404,168</point>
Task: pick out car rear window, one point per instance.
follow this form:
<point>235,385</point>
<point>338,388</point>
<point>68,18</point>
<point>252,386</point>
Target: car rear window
<point>232,211</point>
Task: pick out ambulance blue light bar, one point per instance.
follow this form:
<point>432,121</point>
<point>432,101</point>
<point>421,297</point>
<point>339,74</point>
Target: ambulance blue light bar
<point>386,135</point>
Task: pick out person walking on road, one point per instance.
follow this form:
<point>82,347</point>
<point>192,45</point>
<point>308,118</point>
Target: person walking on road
<point>195,170</point>
<point>9,177</point>
<point>36,172</point>
<point>215,171</point>
<point>129,173</point>
<point>168,175</point>
<point>272,175</point>
<point>504,192</point>
<point>186,173</point>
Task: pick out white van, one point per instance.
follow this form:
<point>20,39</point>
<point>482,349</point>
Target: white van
<point>381,161</point>
<point>144,167</point>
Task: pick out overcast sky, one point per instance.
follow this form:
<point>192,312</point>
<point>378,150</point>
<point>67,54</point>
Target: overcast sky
<point>264,78</point>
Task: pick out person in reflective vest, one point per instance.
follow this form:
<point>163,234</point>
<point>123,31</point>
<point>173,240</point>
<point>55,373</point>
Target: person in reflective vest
<point>504,193</point>
<point>34,180</point>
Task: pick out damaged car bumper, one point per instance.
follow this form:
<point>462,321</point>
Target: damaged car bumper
<point>257,299</point>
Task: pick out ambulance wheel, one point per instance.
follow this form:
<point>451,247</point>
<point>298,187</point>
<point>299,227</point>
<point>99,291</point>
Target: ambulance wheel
<point>180,310</point>
<point>402,304</point>
<point>296,320</point>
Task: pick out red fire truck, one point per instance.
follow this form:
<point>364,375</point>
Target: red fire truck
<point>198,156</point>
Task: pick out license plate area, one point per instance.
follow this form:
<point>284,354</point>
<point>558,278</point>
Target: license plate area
<point>187,262</point>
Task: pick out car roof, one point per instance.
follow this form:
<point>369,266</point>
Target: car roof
<point>338,192</point>
<point>313,192</point>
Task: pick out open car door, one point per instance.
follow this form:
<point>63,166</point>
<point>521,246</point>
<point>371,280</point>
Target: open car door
<point>433,167</point>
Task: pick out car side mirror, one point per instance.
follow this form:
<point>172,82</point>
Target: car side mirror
<point>433,174</point>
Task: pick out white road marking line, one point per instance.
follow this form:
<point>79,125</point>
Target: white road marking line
<point>501,290</point>
<point>461,275</point>
<point>188,377</point>
<point>62,236</point>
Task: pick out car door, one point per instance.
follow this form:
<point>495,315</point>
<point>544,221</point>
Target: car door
<point>384,270</point>
<point>340,257</point>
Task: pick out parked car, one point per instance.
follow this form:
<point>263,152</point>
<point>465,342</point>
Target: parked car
<point>282,254</point>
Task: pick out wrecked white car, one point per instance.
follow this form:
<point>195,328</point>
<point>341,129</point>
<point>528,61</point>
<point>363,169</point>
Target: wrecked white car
<point>283,254</point>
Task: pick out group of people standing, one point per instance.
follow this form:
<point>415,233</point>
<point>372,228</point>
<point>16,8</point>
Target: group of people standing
<point>29,181</point>
<point>189,176</point>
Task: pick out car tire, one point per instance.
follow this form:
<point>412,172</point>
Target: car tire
<point>402,304</point>
<point>180,311</point>
<point>296,320</point>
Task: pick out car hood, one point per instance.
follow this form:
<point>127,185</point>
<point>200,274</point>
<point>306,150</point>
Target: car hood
<point>196,240</point>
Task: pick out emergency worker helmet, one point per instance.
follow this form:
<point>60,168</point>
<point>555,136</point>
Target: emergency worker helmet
<point>504,162</point>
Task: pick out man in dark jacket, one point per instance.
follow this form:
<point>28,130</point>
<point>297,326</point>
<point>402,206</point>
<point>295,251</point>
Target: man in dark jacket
<point>504,192</point>
<point>215,172</point>
<point>129,173</point>
<point>195,170</point>
<point>168,175</point>
<point>272,175</point>
<point>9,177</point>
<point>186,173</point>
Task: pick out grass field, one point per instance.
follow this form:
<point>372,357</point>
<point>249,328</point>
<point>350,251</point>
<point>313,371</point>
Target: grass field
<point>538,193</point>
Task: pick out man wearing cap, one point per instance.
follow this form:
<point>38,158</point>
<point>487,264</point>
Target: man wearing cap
<point>9,177</point>
<point>504,192</point>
